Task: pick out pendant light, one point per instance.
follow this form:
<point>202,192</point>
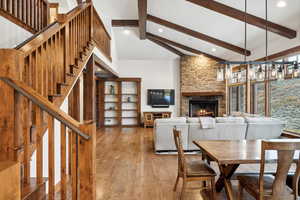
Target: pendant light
<point>260,74</point>
<point>273,71</point>
<point>296,70</point>
<point>220,74</point>
<point>252,74</point>
<point>280,74</point>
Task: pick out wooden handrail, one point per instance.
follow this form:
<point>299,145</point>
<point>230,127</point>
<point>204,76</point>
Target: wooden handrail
<point>45,105</point>
<point>101,36</point>
<point>39,38</point>
<point>32,15</point>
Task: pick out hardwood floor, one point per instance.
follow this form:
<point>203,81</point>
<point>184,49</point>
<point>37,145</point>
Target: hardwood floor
<point>128,169</point>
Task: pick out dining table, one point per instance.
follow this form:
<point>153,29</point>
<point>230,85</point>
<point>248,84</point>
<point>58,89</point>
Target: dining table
<point>230,154</point>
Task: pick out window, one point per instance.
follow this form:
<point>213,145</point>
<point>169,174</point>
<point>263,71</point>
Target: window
<point>237,98</point>
<point>285,102</point>
<point>258,98</point>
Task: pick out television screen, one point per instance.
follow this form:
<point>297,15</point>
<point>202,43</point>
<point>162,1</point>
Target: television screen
<point>162,97</point>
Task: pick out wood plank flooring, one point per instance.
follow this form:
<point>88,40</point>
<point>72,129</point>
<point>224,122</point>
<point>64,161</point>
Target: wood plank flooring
<point>128,169</point>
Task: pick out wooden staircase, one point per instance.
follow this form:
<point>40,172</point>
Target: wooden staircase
<point>35,79</point>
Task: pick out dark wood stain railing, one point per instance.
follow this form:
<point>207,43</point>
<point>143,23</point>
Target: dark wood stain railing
<point>44,69</point>
<point>52,56</point>
<point>84,149</point>
<point>32,15</point>
<point>101,36</point>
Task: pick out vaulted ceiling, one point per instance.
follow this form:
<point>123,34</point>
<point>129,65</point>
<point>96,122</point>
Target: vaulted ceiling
<point>203,20</point>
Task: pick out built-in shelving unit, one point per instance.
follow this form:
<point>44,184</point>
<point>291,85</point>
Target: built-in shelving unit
<point>119,102</point>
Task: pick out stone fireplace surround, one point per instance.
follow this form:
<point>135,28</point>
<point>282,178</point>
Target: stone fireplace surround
<point>198,80</point>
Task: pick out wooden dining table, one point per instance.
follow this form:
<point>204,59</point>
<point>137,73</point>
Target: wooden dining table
<point>229,154</point>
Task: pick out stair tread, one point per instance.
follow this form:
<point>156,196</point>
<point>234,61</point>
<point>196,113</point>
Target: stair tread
<point>55,95</point>
<point>64,84</point>
<point>69,74</point>
<point>75,66</point>
<point>28,188</point>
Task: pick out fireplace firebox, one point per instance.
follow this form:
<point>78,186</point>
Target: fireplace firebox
<point>203,108</point>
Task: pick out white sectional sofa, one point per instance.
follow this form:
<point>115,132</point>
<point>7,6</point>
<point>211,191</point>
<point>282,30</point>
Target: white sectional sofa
<point>225,128</point>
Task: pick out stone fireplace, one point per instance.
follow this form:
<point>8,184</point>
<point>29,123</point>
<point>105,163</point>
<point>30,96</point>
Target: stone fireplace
<point>201,93</point>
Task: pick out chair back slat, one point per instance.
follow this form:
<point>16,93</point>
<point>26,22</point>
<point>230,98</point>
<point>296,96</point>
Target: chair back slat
<point>181,157</point>
<point>285,153</point>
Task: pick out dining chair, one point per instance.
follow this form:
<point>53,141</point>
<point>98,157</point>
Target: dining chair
<point>165,115</point>
<point>148,119</point>
<point>273,187</point>
<point>192,170</point>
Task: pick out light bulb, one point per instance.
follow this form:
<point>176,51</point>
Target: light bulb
<point>252,74</point>
<point>296,70</point>
<point>296,73</point>
<point>280,74</point>
<point>220,75</point>
<point>260,74</point>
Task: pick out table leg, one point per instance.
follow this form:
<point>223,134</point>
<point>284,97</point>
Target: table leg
<point>224,180</point>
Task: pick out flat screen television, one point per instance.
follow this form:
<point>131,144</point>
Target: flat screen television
<point>161,97</point>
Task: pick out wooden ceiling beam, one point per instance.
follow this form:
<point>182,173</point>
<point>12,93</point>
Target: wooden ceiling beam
<point>168,47</point>
<point>142,7</point>
<point>195,51</point>
<point>199,35</point>
<point>125,22</point>
<point>251,19</point>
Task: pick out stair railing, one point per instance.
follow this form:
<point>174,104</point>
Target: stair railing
<point>82,153</point>
<point>52,57</point>
<point>32,15</point>
<point>101,37</point>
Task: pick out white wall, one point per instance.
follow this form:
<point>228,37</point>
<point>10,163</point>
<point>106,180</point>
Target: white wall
<point>155,74</point>
<point>57,155</point>
<point>11,34</point>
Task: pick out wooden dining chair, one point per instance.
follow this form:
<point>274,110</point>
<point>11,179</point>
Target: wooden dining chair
<point>269,187</point>
<point>192,170</point>
<point>148,120</point>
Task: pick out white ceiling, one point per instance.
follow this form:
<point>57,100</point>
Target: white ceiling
<point>203,20</point>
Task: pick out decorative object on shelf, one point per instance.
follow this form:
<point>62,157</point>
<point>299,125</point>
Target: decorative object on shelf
<point>112,89</point>
<point>128,99</point>
<point>112,108</point>
<point>267,69</point>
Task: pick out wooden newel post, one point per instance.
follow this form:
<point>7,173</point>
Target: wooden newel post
<point>87,162</point>
<point>11,66</point>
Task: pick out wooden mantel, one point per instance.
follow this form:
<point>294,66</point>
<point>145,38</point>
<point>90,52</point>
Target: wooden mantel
<point>193,94</point>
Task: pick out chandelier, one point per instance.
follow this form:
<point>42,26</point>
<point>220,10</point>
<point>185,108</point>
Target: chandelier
<point>258,70</point>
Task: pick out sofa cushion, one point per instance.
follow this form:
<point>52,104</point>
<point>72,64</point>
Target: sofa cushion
<point>243,114</point>
<point>233,120</point>
<point>263,120</point>
<point>171,120</point>
<point>193,120</point>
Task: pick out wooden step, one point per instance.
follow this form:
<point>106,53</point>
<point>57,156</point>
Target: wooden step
<point>10,180</point>
<point>59,87</point>
<point>70,74</point>
<point>53,96</point>
<point>34,190</point>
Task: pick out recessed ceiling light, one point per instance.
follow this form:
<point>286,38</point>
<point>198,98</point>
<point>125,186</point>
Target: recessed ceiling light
<point>213,49</point>
<point>281,4</point>
<point>160,30</point>
<point>126,32</point>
